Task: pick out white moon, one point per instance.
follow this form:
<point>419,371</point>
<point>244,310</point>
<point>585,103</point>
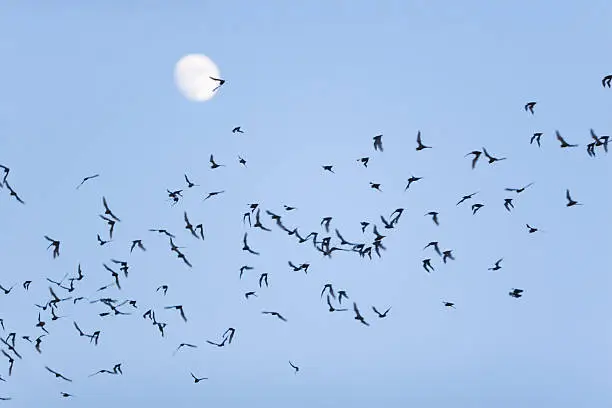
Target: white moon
<point>192,77</point>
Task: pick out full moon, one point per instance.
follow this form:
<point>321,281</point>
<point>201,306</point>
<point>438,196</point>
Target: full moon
<point>192,77</point>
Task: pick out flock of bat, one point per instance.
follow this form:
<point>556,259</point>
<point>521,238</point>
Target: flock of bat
<point>253,217</point>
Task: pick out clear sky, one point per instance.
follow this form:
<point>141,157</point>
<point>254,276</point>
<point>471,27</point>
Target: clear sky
<point>88,88</point>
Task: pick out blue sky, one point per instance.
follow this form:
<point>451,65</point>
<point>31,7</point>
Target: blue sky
<point>89,89</point>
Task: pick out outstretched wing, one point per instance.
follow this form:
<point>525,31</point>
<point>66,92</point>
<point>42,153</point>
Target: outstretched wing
<point>560,138</point>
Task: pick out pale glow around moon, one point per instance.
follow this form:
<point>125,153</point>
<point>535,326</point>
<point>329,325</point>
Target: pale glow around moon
<point>192,77</point>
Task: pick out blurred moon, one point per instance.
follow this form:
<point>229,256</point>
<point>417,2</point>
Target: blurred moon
<point>192,77</point>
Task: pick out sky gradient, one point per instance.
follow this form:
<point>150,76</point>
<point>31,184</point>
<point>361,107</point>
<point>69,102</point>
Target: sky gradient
<point>89,89</point>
